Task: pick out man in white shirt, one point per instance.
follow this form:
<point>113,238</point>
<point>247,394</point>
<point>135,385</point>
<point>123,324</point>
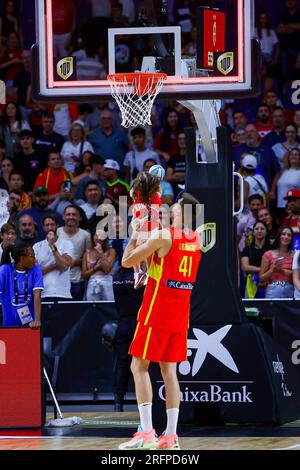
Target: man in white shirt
<point>55,258</point>
<point>135,159</point>
<point>81,241</point>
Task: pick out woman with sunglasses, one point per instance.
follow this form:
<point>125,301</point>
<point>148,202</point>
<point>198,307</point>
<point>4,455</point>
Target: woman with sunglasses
<point>21,284</point>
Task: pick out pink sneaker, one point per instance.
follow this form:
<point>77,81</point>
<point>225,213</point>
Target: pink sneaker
<point>168,442</point>
<point>141,440</point>
<point>139,279</point>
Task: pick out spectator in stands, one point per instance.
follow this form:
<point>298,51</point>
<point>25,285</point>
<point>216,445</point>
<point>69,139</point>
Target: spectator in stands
<point>10,61</point>
<point>97,268</point>
<point>293,208</point>
<point>55,258</point>
<point>93,198</point>
<point>165,142</point>
<point>48,141</point>
<point>64,22</point>
<point>27,230</point>
<point>8,22</point>
<point>40,201</point>
<point>81,241</point>
<point>21,283</point>
<point>73,149</point>
<point>167,195</point>
<point>272,100</point>
<point>297,122</point>
<point>7,167</point>
<point>115,186</point>
<point>2,151</point>
<point>247,219</point>
<point>289,37</point>
<point>64,115</point>
<point>8,236</point>
<point>296,273</point>
<point>97,173</point>
<point>263,122</point>
<point>83,169</point>
<point>296,238</point>
<point>22,82</point>
<point>27,161</point>
<point>240,121</point>
<point>289,177</point>
<point>251,260</point>
<point>265,216</point>
<point>119,20</point>
<point>253,183</point>
<point>267,164</point>
<point>53,177</point>
<point>16,182</point>
<point>89,66</point>
<point>92,121</point>
<point>276,266</point>
<point>268,40</point>
<point>283,149</point>
<point>176,166</point>
<point>277,134</point>
<point>134,159</point>
<point>14,205</point>
<point>65,198</point>
<point>12,124</point>
<point>109,141</point>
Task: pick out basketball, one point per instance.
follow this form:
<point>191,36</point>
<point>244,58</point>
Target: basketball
<point>157,170</point>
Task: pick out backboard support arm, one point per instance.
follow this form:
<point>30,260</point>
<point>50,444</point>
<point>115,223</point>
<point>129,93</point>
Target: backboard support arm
<point>206,114</point>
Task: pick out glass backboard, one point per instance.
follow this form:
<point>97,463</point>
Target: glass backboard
<point>213,56</point>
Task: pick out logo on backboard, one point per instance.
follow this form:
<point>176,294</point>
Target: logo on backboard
<point>225,63</point>
<point>65,68</point>
<point>215,31</point>
<point>208,237</point>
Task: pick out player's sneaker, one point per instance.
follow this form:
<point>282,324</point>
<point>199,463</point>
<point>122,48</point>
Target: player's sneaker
<point>141,440</point>
<point>139,279</point>
<point>168,442</point>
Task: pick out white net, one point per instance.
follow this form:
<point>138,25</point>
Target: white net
<point>135,94</point>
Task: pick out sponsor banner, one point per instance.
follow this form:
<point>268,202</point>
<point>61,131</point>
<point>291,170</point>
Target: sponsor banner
<point>233,373</point>
<point>286,324</point>
<point>20,378</point>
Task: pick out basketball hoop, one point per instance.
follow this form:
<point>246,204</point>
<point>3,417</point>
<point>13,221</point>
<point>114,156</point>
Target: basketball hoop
<point>135,94</point>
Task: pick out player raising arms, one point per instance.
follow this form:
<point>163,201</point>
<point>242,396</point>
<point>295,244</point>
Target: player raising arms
<point>161,332</point>
<point>145,193</point>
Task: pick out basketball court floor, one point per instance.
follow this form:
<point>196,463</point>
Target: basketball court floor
<point>106,430</point>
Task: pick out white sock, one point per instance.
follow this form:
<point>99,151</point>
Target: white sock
<point>145,410</point>
<point>172,419</point>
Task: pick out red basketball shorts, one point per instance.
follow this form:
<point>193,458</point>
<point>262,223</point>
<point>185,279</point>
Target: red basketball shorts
<point>158,346</point>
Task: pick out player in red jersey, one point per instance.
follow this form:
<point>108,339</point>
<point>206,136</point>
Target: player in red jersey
<point>145,193</point>
<point>161,333</point>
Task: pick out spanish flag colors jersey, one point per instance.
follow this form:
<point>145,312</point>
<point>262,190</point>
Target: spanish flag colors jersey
<point>166,302</point>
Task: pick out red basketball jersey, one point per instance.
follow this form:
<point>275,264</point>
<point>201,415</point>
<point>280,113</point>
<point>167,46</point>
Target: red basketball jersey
<point>166,302</point>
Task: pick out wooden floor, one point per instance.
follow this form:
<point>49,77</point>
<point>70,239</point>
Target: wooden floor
<point>84,437</point>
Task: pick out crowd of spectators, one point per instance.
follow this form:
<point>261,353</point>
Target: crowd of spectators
<point>60,162</point>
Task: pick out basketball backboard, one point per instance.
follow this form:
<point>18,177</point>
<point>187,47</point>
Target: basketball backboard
<point>216,59</point>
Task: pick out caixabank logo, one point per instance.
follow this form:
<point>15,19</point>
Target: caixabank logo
<point>195,390</point>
